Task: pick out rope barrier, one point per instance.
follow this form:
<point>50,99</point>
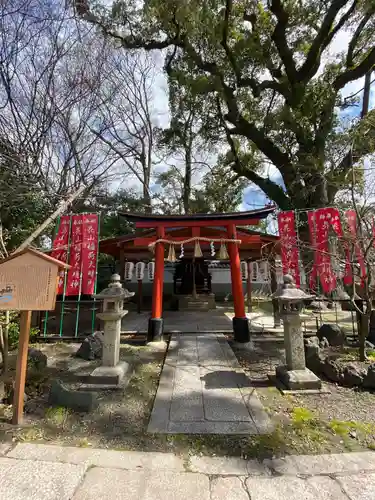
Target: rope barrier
<point>151,246</point>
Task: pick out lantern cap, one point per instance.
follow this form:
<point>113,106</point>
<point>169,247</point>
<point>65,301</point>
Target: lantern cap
<point>288,292</point>
<point>115,290</point>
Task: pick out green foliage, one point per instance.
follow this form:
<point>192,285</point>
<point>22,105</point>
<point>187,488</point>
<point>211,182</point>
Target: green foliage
<point>222,191</point>
<point>23,204</point>
<point>109,205</point>
<point>262,75</point>
<point>302,416</point>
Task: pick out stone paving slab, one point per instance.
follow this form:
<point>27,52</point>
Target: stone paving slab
<point>294,488</point>
<point>227,466</point>
<point>29,480</point>
<point>336,463</point>
<point>50,472</point>
<point>131,460</point>
<point>359,487</point>
<point>231,488</point>
<point>4,448</point>
<point>112,484</point>
<point>202,390</point>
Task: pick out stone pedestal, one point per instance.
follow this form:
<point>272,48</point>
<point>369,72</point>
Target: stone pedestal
<point>112,371</point>
<point>293,342</point>
<point>294,375</point>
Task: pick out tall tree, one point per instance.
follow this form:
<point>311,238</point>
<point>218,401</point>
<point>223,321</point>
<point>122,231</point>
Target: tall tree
<point>266,66</point>
<point>126,119</point>
<point>187,141</point>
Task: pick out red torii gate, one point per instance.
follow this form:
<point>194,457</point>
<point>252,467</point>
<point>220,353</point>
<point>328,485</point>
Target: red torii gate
<point>196,222</point>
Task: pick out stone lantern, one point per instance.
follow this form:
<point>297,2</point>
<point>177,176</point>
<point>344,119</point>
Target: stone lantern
<point>112,371</point>
<point>295,375</point>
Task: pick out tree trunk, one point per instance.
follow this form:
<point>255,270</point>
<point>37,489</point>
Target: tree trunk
<point>147,199</point>
<point>366,95</point>
<point>363,334</point>
<point>187,180</point>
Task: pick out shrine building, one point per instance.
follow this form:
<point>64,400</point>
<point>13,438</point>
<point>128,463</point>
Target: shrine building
<point>192,245</point>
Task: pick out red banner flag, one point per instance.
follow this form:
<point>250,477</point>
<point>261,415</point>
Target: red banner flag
<point>351,218</point>
<point>75,257</point>
<point>60,248</point>
<point>289,248</point>
<point>312,231</point>
<point>324,218</point>
<point>90,227</point>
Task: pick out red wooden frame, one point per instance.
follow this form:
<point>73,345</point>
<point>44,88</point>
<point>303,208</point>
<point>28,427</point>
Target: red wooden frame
<point>203,223</point>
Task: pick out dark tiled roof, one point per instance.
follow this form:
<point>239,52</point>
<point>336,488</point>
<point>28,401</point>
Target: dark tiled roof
<point>260,213</point>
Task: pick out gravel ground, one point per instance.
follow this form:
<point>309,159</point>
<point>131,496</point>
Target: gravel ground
<point>343,412</point>
<point>335,422</point>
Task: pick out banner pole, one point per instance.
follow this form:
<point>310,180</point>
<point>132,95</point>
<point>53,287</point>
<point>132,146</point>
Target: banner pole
<point>65,279</point>
<point>96,278</point>
<point>46,313</point>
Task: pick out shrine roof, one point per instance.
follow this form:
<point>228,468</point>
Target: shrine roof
<point>112,246</point>
<point>258,214</point>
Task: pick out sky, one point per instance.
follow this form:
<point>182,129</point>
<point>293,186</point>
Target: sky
<point>253,197</point>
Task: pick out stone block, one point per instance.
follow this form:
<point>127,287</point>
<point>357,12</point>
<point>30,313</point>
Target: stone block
<point>81,401</point>
<point>228,488</point>
<point>282,466</point>
<point>246,428</point>
<point>4,448</point>
<point>109,484</point>
<point>358,487</point>
<point>296,380</point>
<point>219,466</point>
<point>27,479</point>
<point>326,488</point>
<point>129,460</point>
<point>294,488</point>
<point>109,375</point>
<point>336,463</point>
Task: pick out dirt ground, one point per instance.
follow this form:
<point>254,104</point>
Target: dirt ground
<point>342,420</point>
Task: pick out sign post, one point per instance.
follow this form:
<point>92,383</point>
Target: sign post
<point>28,282</point>
<point>19,387</point>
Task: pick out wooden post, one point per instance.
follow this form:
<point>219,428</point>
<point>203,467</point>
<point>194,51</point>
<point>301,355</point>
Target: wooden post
<point>240,321</point>
<point>249,290</point>
<point>19,388</point>
<point>139,303</point>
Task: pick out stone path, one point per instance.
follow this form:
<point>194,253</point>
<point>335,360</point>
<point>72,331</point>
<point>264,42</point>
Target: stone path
<point>47,472</point>
<point>203,390</point>
<point>180,322</point>
<point>215,321</point>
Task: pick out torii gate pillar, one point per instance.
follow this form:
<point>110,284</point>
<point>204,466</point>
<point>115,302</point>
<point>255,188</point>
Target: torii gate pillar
<point>241,329</point>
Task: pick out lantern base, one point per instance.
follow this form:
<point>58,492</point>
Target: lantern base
<point>297,380</point>
<point>155,330</point>
<point>108,376</point>
<point>241,330</point>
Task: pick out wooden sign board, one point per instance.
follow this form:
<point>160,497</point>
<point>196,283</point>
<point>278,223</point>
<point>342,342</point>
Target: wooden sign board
<point>28,281</point>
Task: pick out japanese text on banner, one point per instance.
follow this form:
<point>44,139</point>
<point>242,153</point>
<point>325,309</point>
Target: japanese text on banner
<point>324,219</point>
<point>89,253</point>
<point>75,257</point>
<point>351,218</point>
<point>289,248</point>
<point>60,248</point>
